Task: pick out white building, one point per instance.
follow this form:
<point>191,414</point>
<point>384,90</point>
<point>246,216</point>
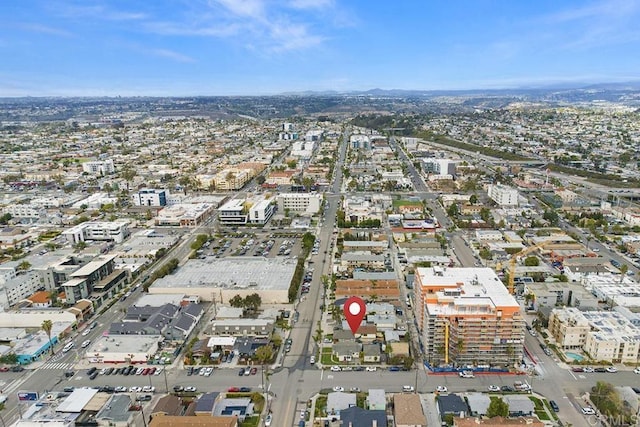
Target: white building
<point>114,231</point>
<point>29,212</point>
<point>185,214</point>
<point>19,287</point>
<point>503,195</point>
<point>301,203</point>
<point>261,212</point>
<point>99,167</point>
<point>123,349</point>
<point>441,167</point>
<point>151,197</point>
<point>95,201</point>
<point>233,213</point>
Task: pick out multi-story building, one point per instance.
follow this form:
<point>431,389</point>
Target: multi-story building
<point>232,178</point>
<point>612,338</point>
<point>233,213</point>
<point>151,197</point>
<point>301,203</point>
<point>466,316</point>
<point>99,167</point>
<point>98,278</point>
<point>261,212</point>
<point>114,231</point>
<point>503,195</point>
<point>569,327</point>
<point>185,214</point>
<point>18,288</point>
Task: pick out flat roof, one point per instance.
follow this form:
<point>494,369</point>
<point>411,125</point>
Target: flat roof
<point>257,273</point>
<point>123,343</point>
<point>77,400</point>
<point>93,265</point>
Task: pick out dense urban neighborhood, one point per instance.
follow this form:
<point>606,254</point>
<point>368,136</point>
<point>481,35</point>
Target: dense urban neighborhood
<point>185,261</point>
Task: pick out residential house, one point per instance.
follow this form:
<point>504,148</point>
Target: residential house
<point>498,422</point>
<point>240,407</point>
<point>519,405</point>
<point>167,405</point>
<point>338,401</point>
<point>205,404</point>
<point>376,400</point>
<point>358,417</point>
<point>407,410</point>
<point>478,404</point>
<point>451,404</point>
<point>347,351</point>
<point>371,353</point>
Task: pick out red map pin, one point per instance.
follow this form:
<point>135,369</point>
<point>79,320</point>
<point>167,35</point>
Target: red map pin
<point>354,311</point>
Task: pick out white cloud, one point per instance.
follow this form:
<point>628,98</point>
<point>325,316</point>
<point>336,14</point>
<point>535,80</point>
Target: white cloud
<point>170,54</point>
<point>245,8</point>
<point>310,4</point>
<point>43,29</point>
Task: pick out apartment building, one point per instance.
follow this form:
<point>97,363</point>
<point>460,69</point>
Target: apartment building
<point>466,316</point>
<point>503,195</point>
<point>99,167</point>
<point>114,231</point>
<point>151,197</point>
<point>569,327</point>
<point>232,178</point>
<point>18,288</point>
<point>301,203</point>
<point>612,338</point>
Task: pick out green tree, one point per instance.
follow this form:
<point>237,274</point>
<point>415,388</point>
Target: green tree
<point>264,354</point>
<point>46,326</point>
<point>24,265</point>
<point>473,199</point>
<point>498,408</point>
<point>252,302</point>
<point>532,261</point>
<point>453,210</point>
<point>236,301</point>
<point>624,268</point>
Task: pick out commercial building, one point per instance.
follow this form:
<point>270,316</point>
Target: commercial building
<point>503,195</point>
<point>123,349</point>
<point>221,279</point>
<point>98,277</point>
<point>261,212</point>
<point>466,316</point>
<point>232,178</point>
<point>233,213</point>
<point>151,197</point>
<point>111,231</point>
<point>185,214</point>
<point>300,203</point>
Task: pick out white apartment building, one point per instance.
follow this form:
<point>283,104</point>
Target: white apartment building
<point>613,338</point>
<point>19,287</point>
<point>99,167</point>
<point>24,211</point>
<point>114,231</point>
<point>503,195</point>
<point>613,289</point>
<point>436,166</point>
<point>302,203</point>
<point>151,197</point>
<point>569,327</point>
<point>261,212</point>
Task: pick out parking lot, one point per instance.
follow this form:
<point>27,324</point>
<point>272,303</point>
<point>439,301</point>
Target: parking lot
<point>268,245</point>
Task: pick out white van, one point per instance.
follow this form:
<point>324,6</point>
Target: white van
<point>68,346</point>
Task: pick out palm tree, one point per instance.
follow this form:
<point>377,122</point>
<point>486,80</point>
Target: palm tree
<point>46,326</point>
<point>624,268</point>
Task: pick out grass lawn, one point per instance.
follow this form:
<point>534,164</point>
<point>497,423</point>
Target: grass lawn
<point>321,406</point>
<point>539,408</point>
<point>397,203</point>
<point>250,421</point>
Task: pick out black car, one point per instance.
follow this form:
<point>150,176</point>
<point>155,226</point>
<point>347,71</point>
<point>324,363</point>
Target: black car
<point>91,370</point>
<point>554,406</point>
<point>178,388</point>
<point>241,372</point>
<point>109,371</point>
<point>600,370</point>
<point>68,389</point>
<point>17,368</point>
<point>106,389</point>
<point>190,371</point>
<point>69,374</point>
<point>93,376</point>
<point>394,368</point>
<point>506,388</point>
<point>245,389</point>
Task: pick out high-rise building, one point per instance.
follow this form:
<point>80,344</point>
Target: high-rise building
<point>466,316</point>
<point>503,195</point>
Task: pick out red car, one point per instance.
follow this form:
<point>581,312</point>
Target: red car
<point>233,389</point>
<point>145,371</point>
<point>152,371</point>
<point>4,369</point>
<point>254,371</point>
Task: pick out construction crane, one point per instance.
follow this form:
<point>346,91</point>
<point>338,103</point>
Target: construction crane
<point>514,259</point>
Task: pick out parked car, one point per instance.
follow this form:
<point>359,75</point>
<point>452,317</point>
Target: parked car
<point>178,388</point>
<point>335,368</point>
<point>409,389</point>
<point>554,406</point>
<point>253,371</point>
<point>371,369</point>
<point>493,388</point>
<point>611,370</point>
<point>120,389</point>
<point>191,389</point>
<point>338,388</point>
<point>588,411</point>
<point>241,372</point>
<point>441,389</point>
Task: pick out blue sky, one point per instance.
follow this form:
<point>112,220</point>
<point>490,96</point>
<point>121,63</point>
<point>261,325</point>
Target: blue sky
<point>260,47</point>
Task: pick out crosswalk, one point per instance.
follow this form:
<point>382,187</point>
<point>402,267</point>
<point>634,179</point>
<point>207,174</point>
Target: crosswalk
<point>57,365</point>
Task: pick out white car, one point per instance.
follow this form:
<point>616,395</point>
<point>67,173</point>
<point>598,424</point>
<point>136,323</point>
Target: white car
<point>267,421</point>
<point>335,368</point>
<point>493,388</point>
<point>408,388</point>
<point>135,389</point>
<point>86,332</point>
<point>371,369</point>
<point>612,370</point>
<point>636,371</point>
<point>312,360</point>
<point>441,389</point>
<point>120,389</point>
<point>588,370</point>
<point>466,374</point>
<point>354,389</point>
<point>338,388</point>
<point>158,371</point>
<point>202,371</point>
<point>191,389</point>
<point>148,389</point>
<point>208,372</point>
<point>588,411</point>
<point>85,343</point>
